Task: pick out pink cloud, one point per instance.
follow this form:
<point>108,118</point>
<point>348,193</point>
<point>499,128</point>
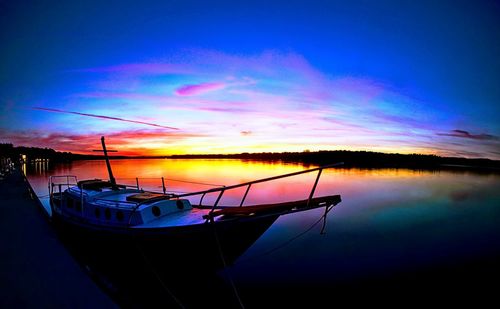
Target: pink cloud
<point>188,90</point>
<point>225,109</point>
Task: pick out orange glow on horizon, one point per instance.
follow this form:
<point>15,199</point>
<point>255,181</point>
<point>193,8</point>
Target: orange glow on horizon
<point>159,150</point>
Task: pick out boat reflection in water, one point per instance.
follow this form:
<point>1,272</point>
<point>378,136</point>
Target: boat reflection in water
<point>180,271</point>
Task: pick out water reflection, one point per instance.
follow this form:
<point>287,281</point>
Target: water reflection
<point>35,166</point>
<point>164,273</point>
<point>426,231</point>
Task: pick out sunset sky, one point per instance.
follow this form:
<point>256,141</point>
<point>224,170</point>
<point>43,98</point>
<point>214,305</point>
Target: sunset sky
<point>173,77</point>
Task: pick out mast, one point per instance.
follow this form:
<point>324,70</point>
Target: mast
<point>108,165</point>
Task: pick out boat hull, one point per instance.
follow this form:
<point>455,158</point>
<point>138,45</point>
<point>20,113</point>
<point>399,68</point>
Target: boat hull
<point>205,246</point>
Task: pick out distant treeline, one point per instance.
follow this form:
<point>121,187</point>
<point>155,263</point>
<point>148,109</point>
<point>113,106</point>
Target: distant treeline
<point>354,159</point>
<point>365,159</point>
<point>32,153</point>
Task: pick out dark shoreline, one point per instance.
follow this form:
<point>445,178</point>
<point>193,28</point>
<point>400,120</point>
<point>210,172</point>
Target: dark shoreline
<point>351,159</point>
<point>359,159</point>
<point>362,160</point>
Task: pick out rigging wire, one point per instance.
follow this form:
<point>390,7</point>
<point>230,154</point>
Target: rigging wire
<point>196,183</point>
<point>171,179</point>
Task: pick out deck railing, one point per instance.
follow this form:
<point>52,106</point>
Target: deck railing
<point>61,183</point>
<point>249,184</point>
<point>67,182</point>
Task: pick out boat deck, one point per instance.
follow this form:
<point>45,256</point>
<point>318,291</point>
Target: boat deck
<point>108,196</point>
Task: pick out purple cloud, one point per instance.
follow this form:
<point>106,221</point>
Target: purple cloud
<point>188,90</point>
<point>140,69</point>
<point>466,134</point>
<point>104,117</point>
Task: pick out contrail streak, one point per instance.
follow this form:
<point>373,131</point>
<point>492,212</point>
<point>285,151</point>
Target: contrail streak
<point>104,117</point>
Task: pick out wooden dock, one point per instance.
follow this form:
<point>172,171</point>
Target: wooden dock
<point>36,271</point>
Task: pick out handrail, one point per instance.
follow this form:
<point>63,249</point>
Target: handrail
<point>62,176</point>
<point>249,184</point>
<point>52,183</point>
<point>66,183</point>
<point>225,188</point>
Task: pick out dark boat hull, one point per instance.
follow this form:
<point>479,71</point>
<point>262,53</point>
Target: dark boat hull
<point>202,246</point>
<point>142,269</point>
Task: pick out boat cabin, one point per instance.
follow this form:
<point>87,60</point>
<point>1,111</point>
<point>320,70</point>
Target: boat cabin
<point>97,202</point>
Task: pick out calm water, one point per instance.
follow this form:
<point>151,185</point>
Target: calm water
<point>390,222</point>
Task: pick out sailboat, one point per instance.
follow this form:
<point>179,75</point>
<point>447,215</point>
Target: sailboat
<point>166,225</point>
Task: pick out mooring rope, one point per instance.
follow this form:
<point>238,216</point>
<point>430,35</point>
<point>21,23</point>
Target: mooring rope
<point>155,273</point>
<point>224,264</point>
<point>150,265</point>
<point>286,243</point>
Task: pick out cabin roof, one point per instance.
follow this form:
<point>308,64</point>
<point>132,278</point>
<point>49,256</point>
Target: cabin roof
<point>180,218</point>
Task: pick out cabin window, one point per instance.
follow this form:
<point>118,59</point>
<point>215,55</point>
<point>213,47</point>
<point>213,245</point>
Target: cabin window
<point>119,215</point>
<point>107,214</point>
<point>69,203</point>
<point>97,212</point>
<point>180,204</point>
<point>156,211</point>
<point>78,206</point>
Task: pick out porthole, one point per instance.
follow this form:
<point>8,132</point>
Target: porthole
<point>119,215</point>
<point>156,211</point>
<point>107,214</point>
<point>180,204</point>
<point>97,212</point>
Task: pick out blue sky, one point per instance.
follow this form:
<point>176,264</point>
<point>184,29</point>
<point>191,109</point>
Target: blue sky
<point>232,76</point>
